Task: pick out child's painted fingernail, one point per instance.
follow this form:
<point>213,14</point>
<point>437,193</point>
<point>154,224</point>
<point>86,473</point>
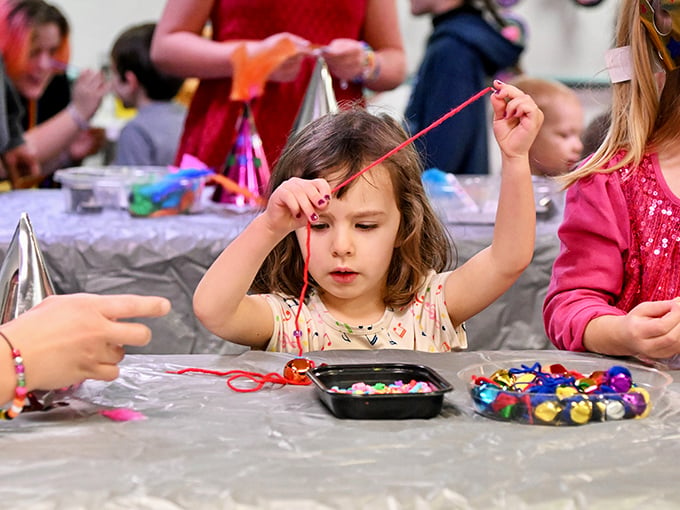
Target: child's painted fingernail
<point>498,83</point>
<point>321,201</point>
<point>314,217</point>
<point>327,198</point>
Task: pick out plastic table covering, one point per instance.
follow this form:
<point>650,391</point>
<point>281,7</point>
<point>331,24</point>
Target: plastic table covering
<point>112,252</point>
<point>204,446</point>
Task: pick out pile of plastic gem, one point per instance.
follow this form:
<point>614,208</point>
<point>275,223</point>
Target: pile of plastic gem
<point>361,388</point>
<point>558,396</point>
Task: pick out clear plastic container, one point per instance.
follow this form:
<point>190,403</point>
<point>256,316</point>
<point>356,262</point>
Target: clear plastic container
<point>505,391</point>
<point>93,189</point>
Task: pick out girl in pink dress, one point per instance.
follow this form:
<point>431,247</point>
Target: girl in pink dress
<point>615,284</point>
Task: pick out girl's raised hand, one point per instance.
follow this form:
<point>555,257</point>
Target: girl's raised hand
<point>516,119</point>
<point>295,202</point>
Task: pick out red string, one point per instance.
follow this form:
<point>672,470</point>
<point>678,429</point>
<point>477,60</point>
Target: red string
<point>259,379</point>
<point>451,113</point>
<point>305,284</point>
<point>420,133</point>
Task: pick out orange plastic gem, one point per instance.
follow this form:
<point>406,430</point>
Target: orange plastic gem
<point>295,370</point>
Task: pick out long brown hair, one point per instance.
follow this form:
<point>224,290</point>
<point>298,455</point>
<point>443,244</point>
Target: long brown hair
<point>341,145</point>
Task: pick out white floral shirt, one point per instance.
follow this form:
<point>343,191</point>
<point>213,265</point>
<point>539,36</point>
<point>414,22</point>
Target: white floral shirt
<point>423,325</point>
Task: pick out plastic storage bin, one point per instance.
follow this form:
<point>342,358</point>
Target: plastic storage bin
<point>92,189</point>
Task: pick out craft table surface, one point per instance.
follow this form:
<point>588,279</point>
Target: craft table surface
<point>112,252</point>
<point>204,446</point>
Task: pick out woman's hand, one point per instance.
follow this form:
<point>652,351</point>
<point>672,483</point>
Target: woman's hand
<point>346,58</point>
<point>88,91</point>
<point>289,69</point>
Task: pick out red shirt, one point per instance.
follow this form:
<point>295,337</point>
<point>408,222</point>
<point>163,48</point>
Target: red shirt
<point>211,120</point>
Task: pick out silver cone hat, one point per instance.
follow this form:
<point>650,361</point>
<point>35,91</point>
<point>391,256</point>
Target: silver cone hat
<point>24,280</point>
<point>319,98</point>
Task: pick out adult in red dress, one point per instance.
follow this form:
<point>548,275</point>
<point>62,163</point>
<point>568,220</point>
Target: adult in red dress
<point>343,28</point>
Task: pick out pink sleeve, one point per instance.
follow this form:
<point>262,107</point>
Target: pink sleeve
<point>588,273</point>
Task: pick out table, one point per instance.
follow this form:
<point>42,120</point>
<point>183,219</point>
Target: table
<point>204,446</point>
<point>111,252</point>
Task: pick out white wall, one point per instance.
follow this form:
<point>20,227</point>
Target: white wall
<point>96,23</point>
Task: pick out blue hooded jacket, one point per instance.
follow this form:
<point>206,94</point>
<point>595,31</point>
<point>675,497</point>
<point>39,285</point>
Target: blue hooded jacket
<point>463,52</point>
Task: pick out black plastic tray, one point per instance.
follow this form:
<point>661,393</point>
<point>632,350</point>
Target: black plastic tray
<point>379,407</point>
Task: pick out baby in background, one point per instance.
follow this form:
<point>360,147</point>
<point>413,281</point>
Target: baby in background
<point>152,136</point>
<point>379,259</point>
<point>558,145</point>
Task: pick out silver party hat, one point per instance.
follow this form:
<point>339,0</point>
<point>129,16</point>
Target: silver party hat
<point>319,98</point>
<point>24,281</point>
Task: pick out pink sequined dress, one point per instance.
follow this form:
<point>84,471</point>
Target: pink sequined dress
<point>209,128</point>
<point>620,246</point>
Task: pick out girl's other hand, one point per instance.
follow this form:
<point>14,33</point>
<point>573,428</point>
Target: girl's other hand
<point>654,328</point>
<point>516,120</point>
<point>87,143</point>
<point>295,202</point>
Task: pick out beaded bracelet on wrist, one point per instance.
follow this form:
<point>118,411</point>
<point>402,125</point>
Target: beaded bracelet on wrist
<point>20,389</point>
<point>370,68</point>
<point>80,121</point>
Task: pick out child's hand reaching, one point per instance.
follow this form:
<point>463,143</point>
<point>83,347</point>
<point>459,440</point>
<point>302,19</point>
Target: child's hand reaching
<point>295,202</point>
<point>651,330</point>
<point>516,119</point>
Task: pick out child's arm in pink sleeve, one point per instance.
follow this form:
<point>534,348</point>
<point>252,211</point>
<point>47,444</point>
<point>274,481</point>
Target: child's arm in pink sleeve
<point>588,273</point>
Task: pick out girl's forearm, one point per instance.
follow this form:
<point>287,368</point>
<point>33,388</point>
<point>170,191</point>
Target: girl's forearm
<point>226,283</point>
<point>515,226</point>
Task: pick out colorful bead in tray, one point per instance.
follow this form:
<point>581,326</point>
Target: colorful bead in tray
<point>558,396</point>
<point>361,388</point>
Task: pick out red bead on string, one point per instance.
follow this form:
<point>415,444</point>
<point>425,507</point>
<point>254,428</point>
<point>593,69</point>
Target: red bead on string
<point>294,373</point>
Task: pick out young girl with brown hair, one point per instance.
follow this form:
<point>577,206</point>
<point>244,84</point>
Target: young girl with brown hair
<point>378,257</point>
